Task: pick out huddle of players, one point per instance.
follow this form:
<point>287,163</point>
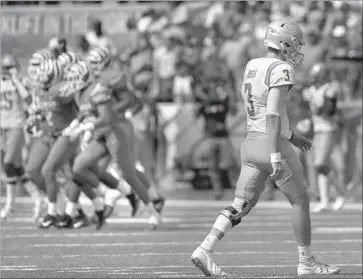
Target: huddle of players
<point>77,118</point>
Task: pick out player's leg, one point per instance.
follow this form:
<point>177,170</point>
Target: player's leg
<point>117,143</point>
<point>60,153</point>
<point>13,156</point>
<point>357,175</point>
<point>294,186</point>
<point>38,153</point>
<point>338,165</point>
<point>214,150</point>
<point>157,200</point>
<point>113,178</point>
<point>250,185</point>
<point>88,180</point>
<point>323,145</point>
<point>9,168</point>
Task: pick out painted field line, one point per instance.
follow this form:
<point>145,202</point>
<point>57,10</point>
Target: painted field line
<point>98,269</point>
<point>261,224</point>
<point>184,233</point>
<point>340,230</point>
<point>17,266</point>
<point>173,254</point>
<point>183,222</point>
<point>66,245</point>
<point>207,203</point>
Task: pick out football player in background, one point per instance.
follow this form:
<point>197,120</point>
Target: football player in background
<point>14,98</point>
<point>108,137</point>
<point>127,102</point>
<point>267,150</point>
<point>327,124</point>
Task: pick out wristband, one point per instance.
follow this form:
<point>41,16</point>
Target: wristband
<point>275,157</point>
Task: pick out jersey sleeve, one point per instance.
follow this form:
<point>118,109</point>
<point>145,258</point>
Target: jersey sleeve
<point>281,74</point>
<point>100,94</point>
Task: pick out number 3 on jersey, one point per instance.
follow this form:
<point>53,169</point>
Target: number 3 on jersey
<point>250,107</point>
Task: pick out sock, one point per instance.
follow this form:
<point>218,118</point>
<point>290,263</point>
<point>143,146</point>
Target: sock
<point>101,189</point>
<point>112,196</point>
<point>209,242</point>
<point>220,227</point>
<point>32,190</point>
<point>305,253</point>
<point>323,188</point>
<point>124,187</point>
<point>52,208</point>
<point>10,195</point>
<point>98,204</point>
<point>71,209</point>
<point>61,202</point>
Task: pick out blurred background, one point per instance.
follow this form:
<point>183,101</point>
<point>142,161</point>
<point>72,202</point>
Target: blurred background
<point>182,55</point>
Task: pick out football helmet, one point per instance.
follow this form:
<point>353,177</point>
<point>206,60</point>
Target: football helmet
<point>78,77</point>
<point>66,59</point>
<point>38,57</point>
<point>8,64</point>
<point>287,37</point>
<point>49,73</point>
<point>99,59</point>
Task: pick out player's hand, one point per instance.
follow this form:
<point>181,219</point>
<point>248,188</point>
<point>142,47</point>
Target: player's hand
<point>301,142</point>
<point>277,171</point>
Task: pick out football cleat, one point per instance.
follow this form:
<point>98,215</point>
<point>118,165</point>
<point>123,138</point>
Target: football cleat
<point>312,266</point>
<point>204,261</point>
<point>5,212</point>
<point>65,221</point>
<point>48,221</point>
<point>339,203</point>
<point>80,220</point>
<point>154,222</point>
<point>320,207</point>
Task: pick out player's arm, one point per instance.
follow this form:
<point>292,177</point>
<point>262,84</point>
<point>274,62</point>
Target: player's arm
<point>23,92</point>
<point>275,101</point>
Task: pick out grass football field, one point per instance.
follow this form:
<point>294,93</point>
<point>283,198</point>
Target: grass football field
<point>261,246</point>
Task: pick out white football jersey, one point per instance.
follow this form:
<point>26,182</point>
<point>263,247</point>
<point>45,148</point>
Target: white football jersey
<point>260,75</point>
<point>11,105</point>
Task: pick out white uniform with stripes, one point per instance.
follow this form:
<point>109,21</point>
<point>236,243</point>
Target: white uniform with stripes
<point>260,75</point>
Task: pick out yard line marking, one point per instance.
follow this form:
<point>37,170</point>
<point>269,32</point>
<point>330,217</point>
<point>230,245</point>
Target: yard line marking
<point>340,230</point>
<point>196,231</point>
<point>17,266</point>
<point>178,222</point>
<point>173,254</point>
<point>66,245</point>
<point>97,269</point>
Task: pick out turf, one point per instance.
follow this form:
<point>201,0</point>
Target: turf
<point>261,246</point>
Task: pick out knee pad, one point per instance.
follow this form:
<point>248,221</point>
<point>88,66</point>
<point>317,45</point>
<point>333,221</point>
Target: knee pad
<point>234,215</point>
<point>322,169</point>
<point>11,174</point>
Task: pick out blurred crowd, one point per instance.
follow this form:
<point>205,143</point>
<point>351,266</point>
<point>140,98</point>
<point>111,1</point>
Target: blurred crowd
<point>174,49</point>
<point>182,52</point>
